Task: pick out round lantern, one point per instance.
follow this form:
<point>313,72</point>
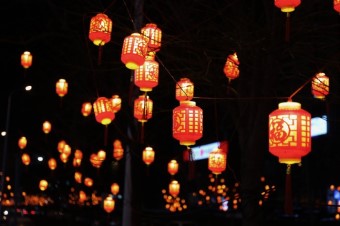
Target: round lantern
<point>26,159</point>
<point>173,167</point>
<point>174,188</point>
<point>143,108</point>
<point>61,87</point>
<point>217,161</point>
<point>289,132</point>
<point>100,29</point>
<point>134,51</point>
<point>43,184</point>
<point>336,4</point>
<point>231,67</point>
<point>26,59</point>
<point>22,142</point>
<point>109,204</point>
<point>116,103</point>
<point>46,127</point>
<point>86,109</point>
<point>153,35</point>
<point>184,90</point>
<point>146,75</point>
<point>287,6</point>
<point>148,155</point>
<point>187,123</point>
<point>52,163</point>
<point>103,112</point>
<point>320,85</point>
<point>114,188</point>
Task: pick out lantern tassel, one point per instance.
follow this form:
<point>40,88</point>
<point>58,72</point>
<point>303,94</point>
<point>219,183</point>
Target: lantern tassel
<point>191,164</point>
<point>287,28</point>
<point>288,205</point>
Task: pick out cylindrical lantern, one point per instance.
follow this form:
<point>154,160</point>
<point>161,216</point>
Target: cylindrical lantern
<point>86,109</point>
<point>43,184</point>
<point>143,108</point>
<point>26,59</point>
<point>134,51</point>
<point>184,90</point>
<point>187,123</point>
<point>173,167</point>
<point>217,161</point>
<point>174,188</point>
<point>103,112</point>
<point>290,132</point>
<point>100,29</point>
<point>320,85</point>
<point>46,127</point>
<point>336,4</point>
<point>116,103</point>
<point>231,67</point>
<point>148,155</point>
<point>287,6</point>
<point>114,188</point>
<point>109,204</point>
<point>146,75</point>
<point>153,35</point>
<point>61,87</point>
<point>22,142</point>
<point>52,163</point>
<point>26,159</point>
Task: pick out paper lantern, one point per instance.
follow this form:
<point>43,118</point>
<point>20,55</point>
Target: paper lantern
<point>76,162</point>
<point>46,127</point>
<point>287,6</point>
<point>95,161</point>
<point>100,29</point>
<point>148,155</point>
<point>52,163</point>
<point>103,112</point>
<point>88,182</point>
<point>134,51</point>
<point>43,184</point>
<point>78,177</point>
<point>184,90</point>
<point>22,142</point>
<point>26,159</point>
<point>26,59</point>
<point>61,145</point>
<point>109,204</point>
<point>173,167</point>
<point>118,151</point>
<point>82,196</point>
<point>320,85</point>
<point>231,67</point>
<point>63,157</point>
<point>336,4</point>
<point>174,188</point>
<point>86,109</point>
<point>116,103</point>
<point>114,188</point>
<point>217,161</point>
<point>61,87</point>
<point>146,75</point>
<point>153,35</point>
<point>78,154</point>
<point>187,123</point>
<point>101,155</point>
<point>289,132</point>
<point>143,108</point>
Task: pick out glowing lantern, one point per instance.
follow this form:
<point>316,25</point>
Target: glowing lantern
<point>103,111</point>
<point>114,188</point>
<point>100,29</point>
<point>231,67</point>
<point>95,161</point>
<point>88,182</point>
<point>153,35</point>
<point>184,90</point>
<point>116,103</point>
<point>26,159</point>
<point>174,188</point>
<point>22,142</point>
<point>52,163</point>
<point>187,123</point>
<point>148,155</point>
<point>26,59</point>
<point>78,177</point>
<point>101,155</point>
<point>134,51</point>
<point>46,127</point>
<point>336,4</point>
<point>63,157</point>
<point>86,109</point>
<point>109,204</point>
<point>173,167</point>
<point>143,108</point>
<point>67,150</point>
<point>61,87</point>
<point>76,162</point>
<point>78,154</point>
<point>146,75</point>
<point>289,132</point>
<point>287,6</point>
<point>118,150</point>
<point>82,196</point>
<point>61,145</point>
<point>320,85</point>
<point>217,161</point>
<point>43,185</point>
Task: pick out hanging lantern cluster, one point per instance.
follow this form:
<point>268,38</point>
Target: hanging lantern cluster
<point>320,86</point>
<point>26,59</point>
<point>336,5</point>
<point>118,151</point>
<point>64,150</point>
<point>61,87</point>
<point>231,69</point>
<point>148,155</point>
<point>100,29</point>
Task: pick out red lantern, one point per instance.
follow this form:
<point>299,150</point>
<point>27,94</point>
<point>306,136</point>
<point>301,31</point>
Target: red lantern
<point>100,29</point>
<point>78,177</point>
<point>101,155</point>
<point>153,35</point>
<point>287,6</point>
<point>46,127</point>
<point>184,90</point>
<point>148,155</point>
<point>118,150</point>
<point>52,163</point>
<point>217,161</point>
<point>61,145</point>
<point>146,75</point>
<point>43,184</point>
<point>103,112</point>
<point>82,196</point>
<point>26,159</point>
<point>134,51</point>
<point>174,188</point>
<point>289,132</point>
<point>143,108</point>
<point>114,188</point>
<point>86,109</point>
<point>231,67</point>
<point>336,4</point>
<point>95,161</point>
<point>22,142</point>
<point>116,103</point>
<point>109,204</point>
<point>173,167</point>
<point>88,182</point>
<point>26,59</point>
<point>320,85</point>
<point>61,87</point>
<point>187,123</point>
<point>78,154</point>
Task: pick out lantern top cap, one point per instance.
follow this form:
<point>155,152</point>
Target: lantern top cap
<point>188,103</point>
<point>289,105</point>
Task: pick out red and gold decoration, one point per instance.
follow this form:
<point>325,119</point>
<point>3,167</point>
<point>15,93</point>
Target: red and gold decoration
<point>148,155</point>
<point>146,75</point>
<point>336,5</point>
<point>86,109</point>
<point>320,86</point>
<point>174,188</point>
<point>43,184</point>
<point>46,127</point>
<point>231,69</point>
<point>22,142</point>
<point>184,90</point>
<point>61,87</point>
<point>100,29</point>
<point>153,35</point>
<point>217,161</point>
<point>134,51</point>
<point>26,159</point>
<point>109,204</point>
<point>26,59</point>
<point>172,167</point>
<point>103,112</point>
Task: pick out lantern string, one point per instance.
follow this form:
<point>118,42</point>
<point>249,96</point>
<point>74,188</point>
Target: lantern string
<point>107,8</point>
<point>301,87</point>
<point>130,16</point>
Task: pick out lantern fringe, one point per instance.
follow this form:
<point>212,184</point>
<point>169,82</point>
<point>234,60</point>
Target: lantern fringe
<point>288,205</point>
